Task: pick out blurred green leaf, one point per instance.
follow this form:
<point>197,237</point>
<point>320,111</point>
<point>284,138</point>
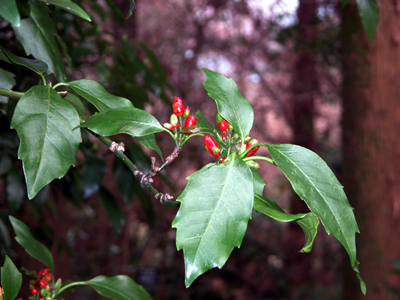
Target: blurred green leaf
<point>7,81</point>
<point>46,126</point>
<point>124,179</point>
<point>369,13</point>
<point>93,172</point>
<point>35,65</point>
<point>116,11</point>
<point>15,190</point>
<point>11,279</point>
<point>32,246</point>
<point>37,35</point>
<point>5,236</point>
<point>212,219</point>
<point>315,183</point>
<point>77,104</point>
<point>131,8</point>
<point>149,141</point>
<point>231,105</point>
<point>129,120</point>
<point>110,204</point>
<point>71,7</point>
<point>95,93</point>
<point>309,224</point>
<point>9,11</point>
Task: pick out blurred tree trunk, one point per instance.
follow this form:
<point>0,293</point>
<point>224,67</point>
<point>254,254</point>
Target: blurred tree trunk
<point>304,85</point>
<point>371,161</point>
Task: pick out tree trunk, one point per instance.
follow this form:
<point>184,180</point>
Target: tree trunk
<point>371,162</point>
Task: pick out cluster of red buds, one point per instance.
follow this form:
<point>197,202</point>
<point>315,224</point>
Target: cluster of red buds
<point>41,284</point>
<point>180,112</point>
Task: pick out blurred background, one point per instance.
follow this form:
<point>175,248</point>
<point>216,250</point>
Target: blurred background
<point>313,80</point>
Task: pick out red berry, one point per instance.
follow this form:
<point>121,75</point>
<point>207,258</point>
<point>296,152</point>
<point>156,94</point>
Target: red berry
<point>177,99</point>
<point>33,291</point>
<point>178,108</point>
<point>223,135</point>
<point>211,145</point>
<point>189,122</point>
<point>254,150</point>
<point>40,284</point>
<point>223,125</point>
<point>41,273</point>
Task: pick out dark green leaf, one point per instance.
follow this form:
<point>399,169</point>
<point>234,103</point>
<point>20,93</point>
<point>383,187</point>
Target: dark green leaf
<point>155,62</point>
<point>131,8</point>
<point>110,204</point>
<point>271,209</point>
<point>129,120</point>
<point>9,11</point>
<point>7,81</point>
<point>5,236</point>
<point>203,124</point>
<point>232,106</point>
<point>15,190</point>
<point>35,65</point>
<point>212,219</point>
<point>344,3</point>
<point>46,126</point>
<point>258,182</point>
<point>32,246</point>
<point>77,104</point>
<point>11,279</point>
<point>149,141</point>
<point>37,35</point>
<point>315,183</point>
<point>93,172</point>
<point>124,179</point>
<point>118,288</point>
<point>71,7</point>
<point>309,224</point>
<point>369,13</point>
<point>94,92</point>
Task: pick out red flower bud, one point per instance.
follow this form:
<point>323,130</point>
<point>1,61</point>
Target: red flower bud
<point>40,284</point>
<point>211,145</point>
<point>186,112</point>
<point>223,125</point>
<point>178,108</point>
<point>177,99</point>
<point>254,150</point>
<point>33,291</point>
<point>189,122</point>
<point>174,121</point>
<point>168,126</point>
<point>223,135</point>
<point>223,160</point>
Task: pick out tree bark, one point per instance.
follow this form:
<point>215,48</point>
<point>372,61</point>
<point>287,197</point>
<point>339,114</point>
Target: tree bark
<point>371,163</point>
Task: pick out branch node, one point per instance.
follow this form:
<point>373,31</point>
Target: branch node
<point>120,147</point>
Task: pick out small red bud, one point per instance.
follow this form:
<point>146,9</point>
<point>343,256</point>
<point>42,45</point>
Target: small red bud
<point>223,125</point>
<point>186,112</point>
<point>223,135</point>
<point>177,99</point>
<point>40,284</point>
<point>174,121</point>
<point>254,150</point>
<point>211,145</point>
<point>178,108</point>
<point>223,160</point>
<point>189,122</point>
<point>168,126</point>
<point>33,291</point>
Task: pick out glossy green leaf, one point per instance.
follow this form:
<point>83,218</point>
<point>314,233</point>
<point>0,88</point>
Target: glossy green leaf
<point>7,81</point>
<point>35,65</point>
<point>315,183</point>
<point>258,182</point>
<point>95,93</point>
<point>271,209</point>
<point>11,279</point>
<point>212,219</point>
<point>93,172</point>
<point>37,35</point>
<point>110,204</point>
<point>149,141</point>
<point>77,104</point>
<point>32,246</point>
<point>9,11</point>
<point>70,6</point>
<point>369,13</point>
<point>46,126</point>
<point>203,124</point>
<point>119,287</point>
<point>309,224</point>
<point>131,8</point>
<point>232,106</point>
<point>129,120</point>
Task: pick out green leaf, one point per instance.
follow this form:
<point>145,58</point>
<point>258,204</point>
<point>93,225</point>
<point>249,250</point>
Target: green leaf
<point>271,209</point>
<point>37,35</point>
<point>77,104</point>
<point>232,106</point>
<point>35,65</point>
<point>131,8</point>
<point>258,182</point>
<point>110,204</point>
<point>124,179</point>
<point>203,124</point>
<point>315,183</point>
<point>212,219</point>
<point>32,246</point>
<point>11,279</point>
<point>119,287</point>
<point>7,81</point>
<point>129,120</point>
<point>309,224</point>
<point>94,92</point>
<point>9,11</point>
<point>71,7</point>
<point>369,13</point>
<point>15,190</point>
<point>46,126</point>
<point>149,141</point>
<point>344,3</point>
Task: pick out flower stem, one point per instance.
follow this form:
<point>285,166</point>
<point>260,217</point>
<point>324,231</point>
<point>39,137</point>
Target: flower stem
<point>10,93</point>
<point>259,158</point>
